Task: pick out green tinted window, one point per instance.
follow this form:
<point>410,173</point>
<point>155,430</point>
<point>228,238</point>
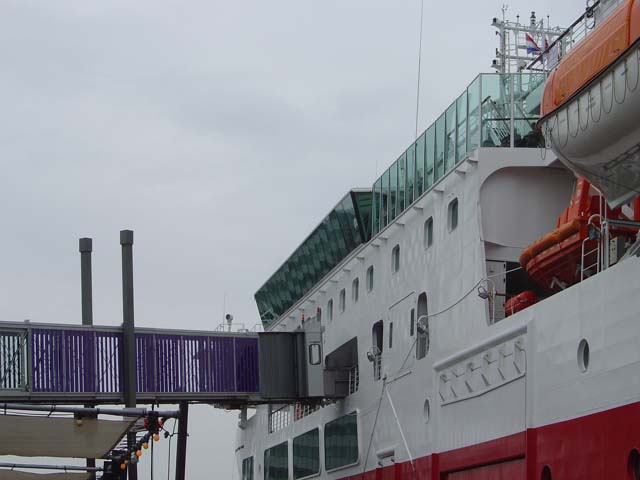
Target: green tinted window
<point>385,200</point>
<point>461,133</point>
<point>306,454</point>
<point>341,442</point>
<point>473,125</point>
<point>527,94</point>
<point>420,159</point>
<point>247,468</point>
<point>440,136</point>
<point>339,233</point>
<point>402,173</point>
<point>430,157</point>
<point>450,138</point>
<point>375,207</point>
<point>276,462</point>
<point>411,173</point>
<point>393,191</point>
<point>496,110</point>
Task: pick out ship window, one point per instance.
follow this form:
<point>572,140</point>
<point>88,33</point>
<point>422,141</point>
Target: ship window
<point>341,442</point>
<point>306,454</point>
<point>330,309</point>
<point>355,290</point>
<point>411,174</point>
<point>422,341</point>
<point>377,344</point>
<point>342,300</point>
<point>247,468</point>
<point>428,232</point>
<point>319,315</point>
<point>370,278</point>
<point>276,462</point>
<point>315,354</point>
<point>412,324</point>
<point>452,215</point>
<point>390,335</point>
<point>395,259</point>
<point>420,168</point>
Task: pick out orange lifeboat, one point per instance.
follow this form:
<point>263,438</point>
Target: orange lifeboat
<point>591,105</point>
<point>520,302</point>
<point>555,260</point>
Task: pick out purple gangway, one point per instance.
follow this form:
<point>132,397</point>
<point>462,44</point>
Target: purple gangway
<point>61,363</point>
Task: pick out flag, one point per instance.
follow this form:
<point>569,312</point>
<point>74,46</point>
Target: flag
<point>532,46</point>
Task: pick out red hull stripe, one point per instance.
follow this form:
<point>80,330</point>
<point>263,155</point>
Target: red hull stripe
<point>587,448</point>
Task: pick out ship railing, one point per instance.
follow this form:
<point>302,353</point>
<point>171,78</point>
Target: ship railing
<point>354,379</point>
<point>279,417</point>
<point>377,366</point>
<point>571,37</point>
<point>594,255</point>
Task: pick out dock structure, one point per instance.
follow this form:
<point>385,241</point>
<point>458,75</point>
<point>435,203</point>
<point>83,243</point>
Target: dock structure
<point>46,363</point>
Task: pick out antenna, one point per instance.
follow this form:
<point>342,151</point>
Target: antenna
<point>419,68</point>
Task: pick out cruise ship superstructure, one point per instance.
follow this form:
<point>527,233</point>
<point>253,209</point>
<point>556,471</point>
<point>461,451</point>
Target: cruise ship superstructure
<point>480,303</point>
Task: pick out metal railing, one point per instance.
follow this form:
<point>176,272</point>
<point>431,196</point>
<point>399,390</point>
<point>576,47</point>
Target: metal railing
<point>279,417</point>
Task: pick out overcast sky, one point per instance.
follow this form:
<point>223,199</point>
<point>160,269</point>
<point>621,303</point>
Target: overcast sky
<point>220,132</point>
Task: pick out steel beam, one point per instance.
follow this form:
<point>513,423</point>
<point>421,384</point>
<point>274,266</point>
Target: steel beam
<point>181,453</point>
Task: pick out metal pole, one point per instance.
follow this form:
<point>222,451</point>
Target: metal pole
<point>128,329</point>
<point>86,247</point>
<point>181,453</point>
<point>119,412</point>
<point>70,468</point>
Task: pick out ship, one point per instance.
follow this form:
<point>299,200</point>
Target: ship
<point>480,304</point>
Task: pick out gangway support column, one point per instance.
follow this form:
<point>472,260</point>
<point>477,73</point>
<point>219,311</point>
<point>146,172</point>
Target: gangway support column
<point>181,453</point>
<point>129,339</point>
<point>85,246</point>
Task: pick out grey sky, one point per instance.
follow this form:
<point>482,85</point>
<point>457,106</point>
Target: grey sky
<point>220,132</point>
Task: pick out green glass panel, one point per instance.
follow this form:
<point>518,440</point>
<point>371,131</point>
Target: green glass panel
<point>341,442</point>
<point>461,133</point>
<point>393,191</point>
<point>420,165</point>
<point>384,206</point>
<point>411,174</point>
<point>496,110</point>
<point>247,468</point>
<point>440,140</point>
<point>306,454</point>
<point>276,462</point>
<point>527,93</point>
<point>402,176</point>
<point>375,207</point>
<point>450,137</point>
<point>339,233</point>
<point>473,125</point>
<point>430,167</point>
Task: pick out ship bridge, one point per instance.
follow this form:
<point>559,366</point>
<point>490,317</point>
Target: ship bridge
<point>74,364</point>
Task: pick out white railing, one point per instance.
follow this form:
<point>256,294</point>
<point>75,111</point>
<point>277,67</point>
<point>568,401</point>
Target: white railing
<point>279,417</point>
<point>354,379</point>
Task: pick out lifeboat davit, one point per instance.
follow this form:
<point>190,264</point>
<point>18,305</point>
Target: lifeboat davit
<point>591,106</point>
<point>556,260</point>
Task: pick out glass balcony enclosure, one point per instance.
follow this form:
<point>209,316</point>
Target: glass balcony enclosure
<point>495,110</point>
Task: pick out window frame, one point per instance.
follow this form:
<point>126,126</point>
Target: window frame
<point>357,436</point>
<point>342,300</point>
<point>395,258</point>
<point>453,208</point>
<point>370,279</point>
<point>428,233</point>
<point>264,460</point>
<point>293,454</point>
<point>355,290</point>
<point>245,461</point>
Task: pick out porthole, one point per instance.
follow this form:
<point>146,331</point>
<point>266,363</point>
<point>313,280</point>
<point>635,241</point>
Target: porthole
<point>427,410</point>
<point>546,473</point>
<point>633,465</point>
<point>583,355</point>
